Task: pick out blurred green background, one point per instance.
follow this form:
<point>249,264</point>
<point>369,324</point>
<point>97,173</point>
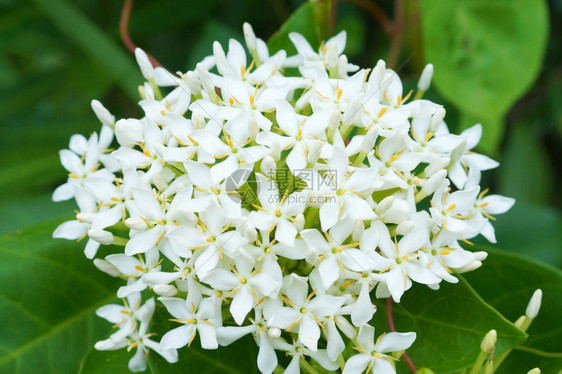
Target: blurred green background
<point>57,55</point>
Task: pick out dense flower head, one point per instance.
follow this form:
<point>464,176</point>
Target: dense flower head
<point>259,199</point>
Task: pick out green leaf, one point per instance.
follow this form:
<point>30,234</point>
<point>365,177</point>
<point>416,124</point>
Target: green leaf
<point>47,301</point>
<point>486,54</point>
<point>301,21</point>
<point>88,36</point>
<point>532,230</point>
<point>450,324</point>
<point>23,210</point>
<point>507,282</point>
<point>525,159</point>
<point>239,357</point>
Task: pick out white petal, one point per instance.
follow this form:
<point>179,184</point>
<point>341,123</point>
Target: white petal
<point>70,230</point>
<point>396,341</point>
<point>208,336</point>
<point>241,304</point>
<point>178,337</point>
<point>229,334</point>
<point>309,332</point>
<point>143,241</point>
<point>267,359</point>
<point>497,204</point>
<point>363,309</point>
<point>357,364</point>
<point>329,270</point>
<point>138,361</point>
<point>176,307</point>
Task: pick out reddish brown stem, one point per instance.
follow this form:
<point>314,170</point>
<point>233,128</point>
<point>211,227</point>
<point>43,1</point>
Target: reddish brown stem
<point>375,11</point>
<point>124,31</point>
<point>396,36</point>
<point>393,329</point>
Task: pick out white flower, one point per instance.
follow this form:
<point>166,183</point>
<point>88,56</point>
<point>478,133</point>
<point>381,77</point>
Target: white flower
<point>194,319</point>
<point>372,354</point>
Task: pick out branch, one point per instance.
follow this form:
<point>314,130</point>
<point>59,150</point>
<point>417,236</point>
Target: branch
<point>124,31</point>
<point>393,329</point>
<point>376,12</point>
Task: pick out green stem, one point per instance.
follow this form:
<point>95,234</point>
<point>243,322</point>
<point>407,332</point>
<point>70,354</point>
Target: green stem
<point>322,10</point>
<point>478,363</point>
<point>307,367</point>
<point>341,361</point>
<point>117,240</point>
<point>538,352</point>
<point>396,36</point>
<point>278,370</point>
<point>156,89</point>
<point>359,159</point>
<point>419,95</point>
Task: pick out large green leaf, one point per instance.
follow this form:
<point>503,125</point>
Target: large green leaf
<point>78,28</point>
<point>301,21</point>
<point>24,210</point>
<point>532,230</point>
<point>450,324</point>
<point>507,282</point>
<point>47,301</point>
<point>238,358</point>
<point>525,159</point>
<point>486,54</point>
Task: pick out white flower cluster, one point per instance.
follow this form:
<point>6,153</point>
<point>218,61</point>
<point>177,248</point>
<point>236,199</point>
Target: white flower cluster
<point>276,198</point>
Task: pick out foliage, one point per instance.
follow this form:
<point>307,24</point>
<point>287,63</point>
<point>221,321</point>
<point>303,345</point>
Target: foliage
<point>487,54</point>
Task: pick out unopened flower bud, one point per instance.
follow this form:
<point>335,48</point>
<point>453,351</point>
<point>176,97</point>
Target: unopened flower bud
<point>332,55</point>
<point>107,267</point>
<point>104,116</point>
<point>480,255</point>
<point>101,236</point>
<point>535,371</point>
<point>166,290</point>
<point>489,341</point>
<point>358,229</point>
<point>159,181</point>
<point>300,221</point>
<point>384,205</point>
<point>145,65</point>
<point>85,217</point>
<point>136,223</point>
<point>345,326</point>
<point>425,78</point>
<point>397,212</point>
<point>436,165</point>
<point>142,94</point>
<point>469,267</point>
<point>192,82</point>
<point>437,119</point>
<point>274,332</point>
<point>205,78</point>
<point>268,166</point>
<point>342,66</point>
<point>405,227</point>
<point>534,305</point>
<point>250,233</point>
<point>434,182</point>
<point>369,139</point>
<point>378,73</point>
<point>129,132</point>
<point>249,36</point>
<point>457,153</point>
